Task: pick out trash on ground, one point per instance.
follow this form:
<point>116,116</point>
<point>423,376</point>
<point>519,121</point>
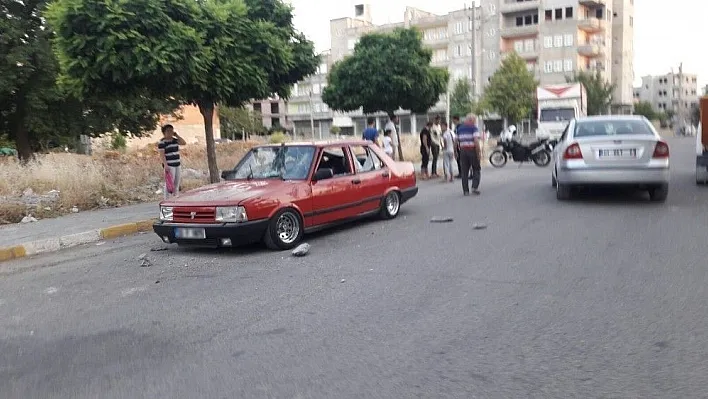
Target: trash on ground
<point>301,250</point>
<point>158,249</point>
<point>28,219</point>
<point>479,226</point>
<point>343,281</point>
<point>439,219</point>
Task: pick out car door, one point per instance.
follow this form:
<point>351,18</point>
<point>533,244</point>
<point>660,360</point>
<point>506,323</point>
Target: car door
<point>333,199</point>
<point>372,175</point>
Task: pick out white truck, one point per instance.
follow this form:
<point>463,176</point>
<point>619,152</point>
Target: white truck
<point>702,144</point>
<point>557,105</point>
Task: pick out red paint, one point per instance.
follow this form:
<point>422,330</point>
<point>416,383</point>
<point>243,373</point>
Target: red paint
<point>320,202</point>
<point>558,91</point>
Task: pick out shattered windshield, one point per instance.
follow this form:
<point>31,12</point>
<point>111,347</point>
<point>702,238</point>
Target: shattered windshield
<point>283,162</point>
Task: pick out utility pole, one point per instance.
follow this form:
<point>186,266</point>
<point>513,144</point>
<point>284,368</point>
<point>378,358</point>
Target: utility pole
<point>312,117</point>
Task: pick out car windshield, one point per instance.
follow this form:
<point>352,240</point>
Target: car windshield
<point>283,162</point>
<point>594,128</point>
<point>557,114</point>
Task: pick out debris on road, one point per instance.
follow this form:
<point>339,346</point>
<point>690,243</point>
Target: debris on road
<point>74,210</point>
<point>28,219</point>
<point>343,281</point>
<point>439,219</point>
<point>158,249</point>
<point>301,250</point>
<point>144,262</point>
<point>479,226</point>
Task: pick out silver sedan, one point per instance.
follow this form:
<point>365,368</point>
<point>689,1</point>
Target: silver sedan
<point>611,150</point>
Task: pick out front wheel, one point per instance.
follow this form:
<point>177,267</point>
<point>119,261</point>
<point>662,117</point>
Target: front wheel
<point>285,230</point>
<point>542,158</point>
<point>498,159</point>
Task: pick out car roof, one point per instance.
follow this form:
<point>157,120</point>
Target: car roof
<point>610,118</point>
<point>319,143</point>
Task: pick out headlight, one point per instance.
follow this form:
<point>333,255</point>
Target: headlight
<point>231,214</point>
<point>166,213</point>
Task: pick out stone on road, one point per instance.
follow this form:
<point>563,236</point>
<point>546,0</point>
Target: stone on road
<point>603,296</point>
<point>301,250</point>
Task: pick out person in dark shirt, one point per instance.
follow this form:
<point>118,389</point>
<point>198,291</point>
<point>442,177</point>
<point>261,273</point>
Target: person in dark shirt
<point>425,144</point>
<point>468,137</point>
<point>370,133</point>
<point>168,148</point>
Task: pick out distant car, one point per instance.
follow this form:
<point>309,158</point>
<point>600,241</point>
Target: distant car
<point>278,192</point>
<point>611,150</point>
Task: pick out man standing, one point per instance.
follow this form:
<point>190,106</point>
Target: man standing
<point>455,125</point>
<point>435,145</point>
<point>468,138</point>
<point>370,133</point>
<point>168,149</point>
<point>391,125</point>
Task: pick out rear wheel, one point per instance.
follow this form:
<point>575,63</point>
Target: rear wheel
<point>554,182</point>
<point>659,193</point>
<point>563,191</point>
<point>391,205</point>
<point>285,230</point>
<point>498,159</point>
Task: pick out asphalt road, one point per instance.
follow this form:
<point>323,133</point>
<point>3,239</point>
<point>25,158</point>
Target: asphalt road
<point>603,297</point>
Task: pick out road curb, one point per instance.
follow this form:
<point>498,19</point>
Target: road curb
<point>72,240</point>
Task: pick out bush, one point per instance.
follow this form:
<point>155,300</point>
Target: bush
<point>335,130</point>
<point>118,142</point>
<point>278,137</point>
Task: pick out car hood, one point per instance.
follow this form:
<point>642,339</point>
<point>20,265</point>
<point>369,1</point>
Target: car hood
<point>225,193</point>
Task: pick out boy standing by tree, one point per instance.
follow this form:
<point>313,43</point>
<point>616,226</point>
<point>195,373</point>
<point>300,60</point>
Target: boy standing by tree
<point>168,148</point>
<point>370,133</point>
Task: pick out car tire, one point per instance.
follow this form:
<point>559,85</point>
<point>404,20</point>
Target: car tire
<point>563,192</point>
<point>285,230</point>
<point>659,193</point>
<point>390,205</point>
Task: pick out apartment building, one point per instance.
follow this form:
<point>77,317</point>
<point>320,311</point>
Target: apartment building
<point>676,92</point>
<point>559,38</point>
<point>305,107</point>
<point>273,112</point>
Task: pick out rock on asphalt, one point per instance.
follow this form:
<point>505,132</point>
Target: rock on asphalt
<point>600,297</point>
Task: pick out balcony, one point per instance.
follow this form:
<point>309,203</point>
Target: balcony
<point>519,31</point>
<point>591,50</point>
<point>591,25</point>
<point>513,6</point>
<point>525,54</point>
<point>593,3</point>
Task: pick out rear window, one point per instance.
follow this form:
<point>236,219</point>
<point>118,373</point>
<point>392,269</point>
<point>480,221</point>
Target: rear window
<point>612,128</point>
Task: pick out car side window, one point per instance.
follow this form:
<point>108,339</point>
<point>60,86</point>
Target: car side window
<point>365,160</point>
<point>335,158</point>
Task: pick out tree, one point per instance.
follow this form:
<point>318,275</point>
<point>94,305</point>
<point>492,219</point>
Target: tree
<point>461,102</point>
<point>387,72</point>
<point>203,53</point>
<point>644,108</point>
<point>512,90</point>
<point>235,121</point>
<point>600,91</point>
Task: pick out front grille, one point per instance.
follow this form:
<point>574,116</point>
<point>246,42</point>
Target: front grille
<point>194,215</point>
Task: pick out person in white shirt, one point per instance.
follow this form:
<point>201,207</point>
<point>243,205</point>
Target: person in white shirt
<point>435,145</point>
<point>448,142</point>
<point>391,125</point>
<point>388,143</point>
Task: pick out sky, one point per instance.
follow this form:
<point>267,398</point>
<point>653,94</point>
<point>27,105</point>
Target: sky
<point>673,37</point>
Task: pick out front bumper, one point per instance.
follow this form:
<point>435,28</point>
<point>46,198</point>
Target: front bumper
<point>239,233</point>
<point>620,176</point>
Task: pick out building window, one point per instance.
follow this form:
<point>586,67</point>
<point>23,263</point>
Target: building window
<point>558,66</point>
<point>529,45</point>
<point>568,12</point>
<point>631,21</point>
<point>599,13</point>
<point>559,14</point>
<point>519,46</point>
<point>548,41</point>
<point>568,65</point>
<point>568,40</point>
<point>558,41</point>
<point>530,67</point>
<point>274,108</point>
<point>275,122</point>
<point>257,107</point>
<point>519,21</point>
<point>351,44</point>
<point>440,55</point>
<point>548,67</point>
<point>316,89</point>
<point>323,69</point>
<point>295,90</point>
<point>469,51</point>
<point>459,28</point>
<point>549,15</point>
<point>535,19</point>
<point>458,50</point>
<point>442,33</point>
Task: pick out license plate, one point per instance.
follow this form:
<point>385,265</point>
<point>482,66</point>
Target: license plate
<point>190,233</point>
<point>618,153</point>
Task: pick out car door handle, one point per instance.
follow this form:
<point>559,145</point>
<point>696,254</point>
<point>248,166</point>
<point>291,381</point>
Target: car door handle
<point>385,174</point>
<point>356,181</point>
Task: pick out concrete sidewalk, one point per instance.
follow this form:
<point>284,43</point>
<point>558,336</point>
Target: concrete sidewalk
<point>48,235</point>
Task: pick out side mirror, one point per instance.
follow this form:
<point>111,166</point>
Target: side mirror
<point>225,174</point>
<point>323,174</point>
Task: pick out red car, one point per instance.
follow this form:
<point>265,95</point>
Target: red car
<point>278,192</point>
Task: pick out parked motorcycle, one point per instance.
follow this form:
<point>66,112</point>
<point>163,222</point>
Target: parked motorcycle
<point>539,152</point>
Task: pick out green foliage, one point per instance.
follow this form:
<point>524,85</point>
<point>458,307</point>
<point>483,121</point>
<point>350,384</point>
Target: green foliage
<point>645,109</point>
<point>335,130</point>
<point>235,121</point>
<point>512,90</point>
<point>118,142</point>
<point>207,53</point>
<point>387,71</point>
<point>600,91</point>
<point>461,102</point>
<point>278,137</point>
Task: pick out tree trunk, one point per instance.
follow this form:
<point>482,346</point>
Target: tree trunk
<point>207,110</point>
<point>398,137</point>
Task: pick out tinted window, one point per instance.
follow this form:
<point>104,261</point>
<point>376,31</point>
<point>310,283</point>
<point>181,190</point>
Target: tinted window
<point>557,114</point>
<point>611,128</point>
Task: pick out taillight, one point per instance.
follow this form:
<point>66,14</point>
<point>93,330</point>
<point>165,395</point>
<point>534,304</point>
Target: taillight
<point>573,152</point>
<point>661,150</point>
